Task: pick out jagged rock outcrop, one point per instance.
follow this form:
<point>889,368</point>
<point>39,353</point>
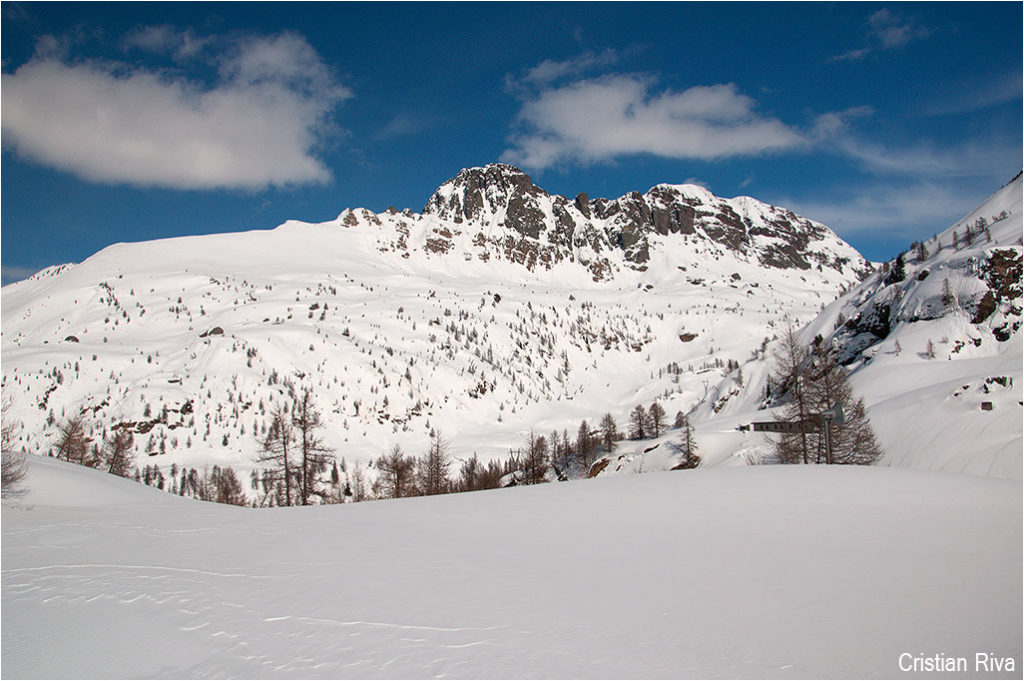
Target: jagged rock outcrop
<point>498,212</point>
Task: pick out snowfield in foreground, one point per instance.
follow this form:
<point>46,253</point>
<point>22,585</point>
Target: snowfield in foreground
<point>762,571</point>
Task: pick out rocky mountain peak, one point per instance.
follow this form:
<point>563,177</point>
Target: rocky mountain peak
<point>482,192</point>
<point>497,211</point>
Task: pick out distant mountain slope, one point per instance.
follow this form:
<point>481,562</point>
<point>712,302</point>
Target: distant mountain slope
<point>497,309</point>
<point>937,355</point>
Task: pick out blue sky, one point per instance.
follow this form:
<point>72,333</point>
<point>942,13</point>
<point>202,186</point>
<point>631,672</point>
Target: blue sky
<point>128,122</point>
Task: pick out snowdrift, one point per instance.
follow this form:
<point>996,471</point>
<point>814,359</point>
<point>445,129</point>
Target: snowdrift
<point>733,572</point>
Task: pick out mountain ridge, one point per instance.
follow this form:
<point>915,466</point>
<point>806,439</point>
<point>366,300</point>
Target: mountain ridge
<point>403,324</point>
<point>499,212</point>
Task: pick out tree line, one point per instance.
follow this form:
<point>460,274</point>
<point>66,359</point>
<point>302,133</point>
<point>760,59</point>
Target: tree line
<point>541,458</point>
<point>297,468</point>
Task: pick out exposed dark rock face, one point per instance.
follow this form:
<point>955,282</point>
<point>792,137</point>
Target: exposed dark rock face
<point>1002,274</point>
<point>513,218</point>
<point>582,204</point>
<point>494,185</point>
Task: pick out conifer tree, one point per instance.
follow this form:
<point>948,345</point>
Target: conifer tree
<point>469,474</point>
<point>118,454</point>
<point>899,270</point>
<point>535,459</point>
<point>14,465</point>
<point>947,294</point>
<point>656,420</point>
<point>853,441</point>
<point>224,486</point>
<point>276,449</point>
<point>609,432</point>
<point>638,423</point>
<point>433,467</point>
<point>814,382</point>
<point>72,444</point>
<point>314,455</point>
<point>396,474</point>
<point>687,446</point>
<point>585,445</point>
<point>788,375</point>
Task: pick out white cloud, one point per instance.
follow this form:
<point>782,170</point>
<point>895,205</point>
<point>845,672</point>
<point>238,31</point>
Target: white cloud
<point>890,30</point>
<point>549,70</point>
<point>886,30</point>
<point>600,119</point>
<point>167,40</point>
<point>546,73</point>
<point>905,211</point>
<point>257,125</point>
<point>834,123</point>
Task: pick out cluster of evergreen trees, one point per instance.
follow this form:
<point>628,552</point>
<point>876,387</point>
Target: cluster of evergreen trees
<point>897,271</point>
<point>809,382</point>
<point>540,459</point>
<point>217,484</point>
<point>296,456</point>
<point>115,454</point>
<point>299,469</point>
<point>13,467</point>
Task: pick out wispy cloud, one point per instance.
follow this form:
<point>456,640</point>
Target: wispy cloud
<point>905,210</point>
<point>834,132</point>
<point>258,125</point>
<point>549,70</point>
<point>528,81</point>
<point>925,160</point>
<point>181,44</point>
<point>600,119</point>
<point>404,124</point>
<point>886,30</point>
<point>12,273</point>
<point>978,94</point>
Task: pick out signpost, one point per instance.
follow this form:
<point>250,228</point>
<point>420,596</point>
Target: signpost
<point>833,415</point>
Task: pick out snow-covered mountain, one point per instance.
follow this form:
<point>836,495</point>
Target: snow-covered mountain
<point>497,309</point>
<point>936,352</point>
<point>498,211</point>
<point>190,342</point>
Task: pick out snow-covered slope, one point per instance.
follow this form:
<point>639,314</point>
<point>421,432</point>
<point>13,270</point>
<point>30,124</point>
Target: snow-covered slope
<point>760,572</point>
<point>497,309</point>
<point>927,352</point>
